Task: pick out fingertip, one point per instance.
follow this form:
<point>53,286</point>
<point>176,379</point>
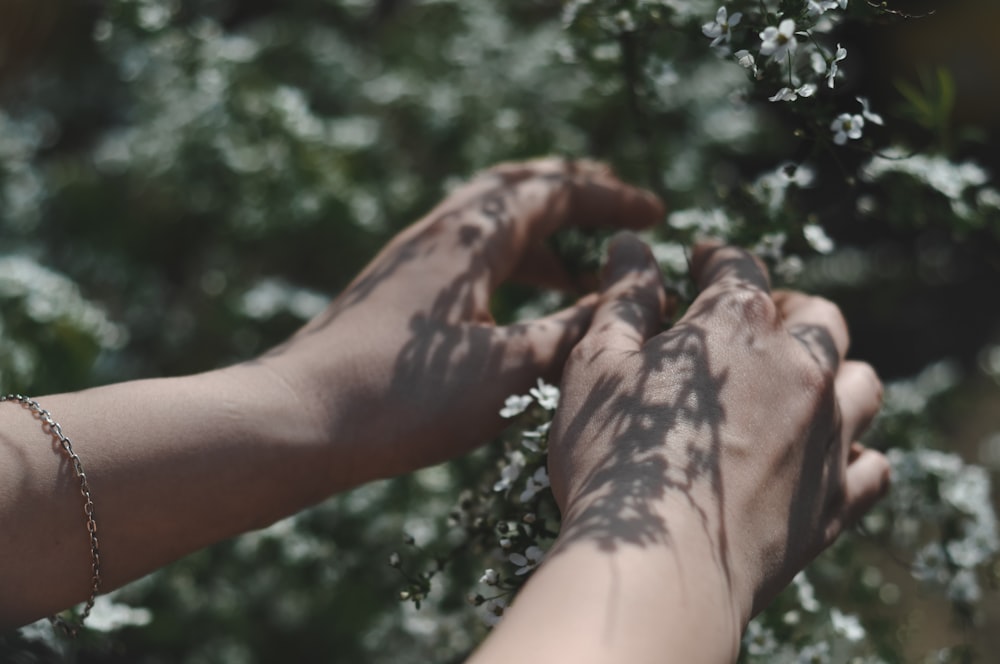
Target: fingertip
<point>712,261</point>
<point>859,394</point>
<point>626,253</point>
<point>868,480</point>
<point>633,300</point>
<point>548,340</point>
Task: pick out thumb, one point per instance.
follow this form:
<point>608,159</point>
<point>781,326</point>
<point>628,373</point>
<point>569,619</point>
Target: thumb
<point>539,348</point>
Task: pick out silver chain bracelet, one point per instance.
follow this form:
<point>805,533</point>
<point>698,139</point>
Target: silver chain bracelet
<point>52,427</point>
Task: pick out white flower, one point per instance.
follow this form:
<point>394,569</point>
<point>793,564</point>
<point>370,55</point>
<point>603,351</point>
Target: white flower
<point>493,611</point>
<point>964,588</point>
<point>490,577</point>
<point>746,60</point>
<point>819,7</point>
<point>806,593</point>
<point>530,560</point>
<point>831,72</point>
<point>532,439</point>
<point>108,615</point>
<point>816,653</point>
<point>719,29</point>
<point>515,405</point>
<point>510,472</point>
<point>846,625</point>
<point>777,41</point>
<point>546,395</point>
<point>394,559</point>
<point>537,482</point>
<point>867,113</point>
<point>817,238</point>
<point>818,62</point>
<point>846,126</point>
<point>759,640</point>
<point>788,94</point>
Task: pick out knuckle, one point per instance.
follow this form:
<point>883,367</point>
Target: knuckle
<point>587,350</point>
<point>751,306</point>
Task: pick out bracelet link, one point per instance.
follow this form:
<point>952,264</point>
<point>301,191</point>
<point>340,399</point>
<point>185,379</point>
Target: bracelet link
<point>54,429</point>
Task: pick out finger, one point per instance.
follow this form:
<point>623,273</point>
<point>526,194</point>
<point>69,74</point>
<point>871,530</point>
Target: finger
<point>732,282</point>
<point>633,301</point>
<point>715,264</point>
<point>815,321</point>
<point>513,206</point>
<point>859,395</point>
<point>459,253</point>
<point>866,482</point>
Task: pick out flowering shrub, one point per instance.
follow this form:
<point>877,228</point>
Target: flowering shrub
<point>196,178</point>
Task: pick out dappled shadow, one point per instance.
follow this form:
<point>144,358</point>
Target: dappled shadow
<point>665,424</point>
<point>666,428</point>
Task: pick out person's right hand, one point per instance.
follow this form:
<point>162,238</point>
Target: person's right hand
<point>735,430</point>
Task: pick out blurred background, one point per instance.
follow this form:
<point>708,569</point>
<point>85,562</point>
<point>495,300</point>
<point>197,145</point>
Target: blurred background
<point>183,183</point>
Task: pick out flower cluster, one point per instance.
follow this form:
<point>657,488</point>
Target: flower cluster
<point>786,50</point>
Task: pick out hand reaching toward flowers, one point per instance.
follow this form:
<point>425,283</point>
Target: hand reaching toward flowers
<point>406,368</point>
<point>407,363</point>
<point>697,469</point>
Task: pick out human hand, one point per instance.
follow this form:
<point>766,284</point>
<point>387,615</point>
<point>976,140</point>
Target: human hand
<point>733,433</point>
<point>407,368</point>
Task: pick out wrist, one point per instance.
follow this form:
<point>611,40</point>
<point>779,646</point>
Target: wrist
<point>322,396</point>
<point>678,543</point>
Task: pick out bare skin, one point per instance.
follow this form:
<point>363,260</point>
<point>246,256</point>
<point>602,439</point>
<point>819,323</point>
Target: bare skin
<point>405,369</point>
<point>697,469</point>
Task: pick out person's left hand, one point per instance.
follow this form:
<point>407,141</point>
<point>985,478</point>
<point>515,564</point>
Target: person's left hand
<point>407,367</point>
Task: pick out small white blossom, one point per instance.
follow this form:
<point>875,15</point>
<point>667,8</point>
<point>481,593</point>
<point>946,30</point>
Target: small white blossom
<point>847,126</point>
<point>746,60</point>
<point>788,94</point>
<point>532,439</point>
<point>719,29</point>
<point>493,611</point>
<point>947,177</point>
<point>778,41</point>
<point>515,405</point>
<point>817,238</point>
<point>510,471</point>
<point>818,62</point>
<point>490,577</point>
<point>537,482</point>
<point>964,587</point>
<point>759,640</point>
<point>819,7</point>
<point>530,560</point>
<point>394,559</point>
<point>706,222</point>
<point>831,72</point>
<point>867,113</point>
<point>805,592</point>
<point>625,21</point>
<point>108,615</point>
<point>847,625</point>
<point>816,653</point>
<point>546,395</point>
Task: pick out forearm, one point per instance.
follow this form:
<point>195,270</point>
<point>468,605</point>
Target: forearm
<point>173,465</point>
<point>616,597</point>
